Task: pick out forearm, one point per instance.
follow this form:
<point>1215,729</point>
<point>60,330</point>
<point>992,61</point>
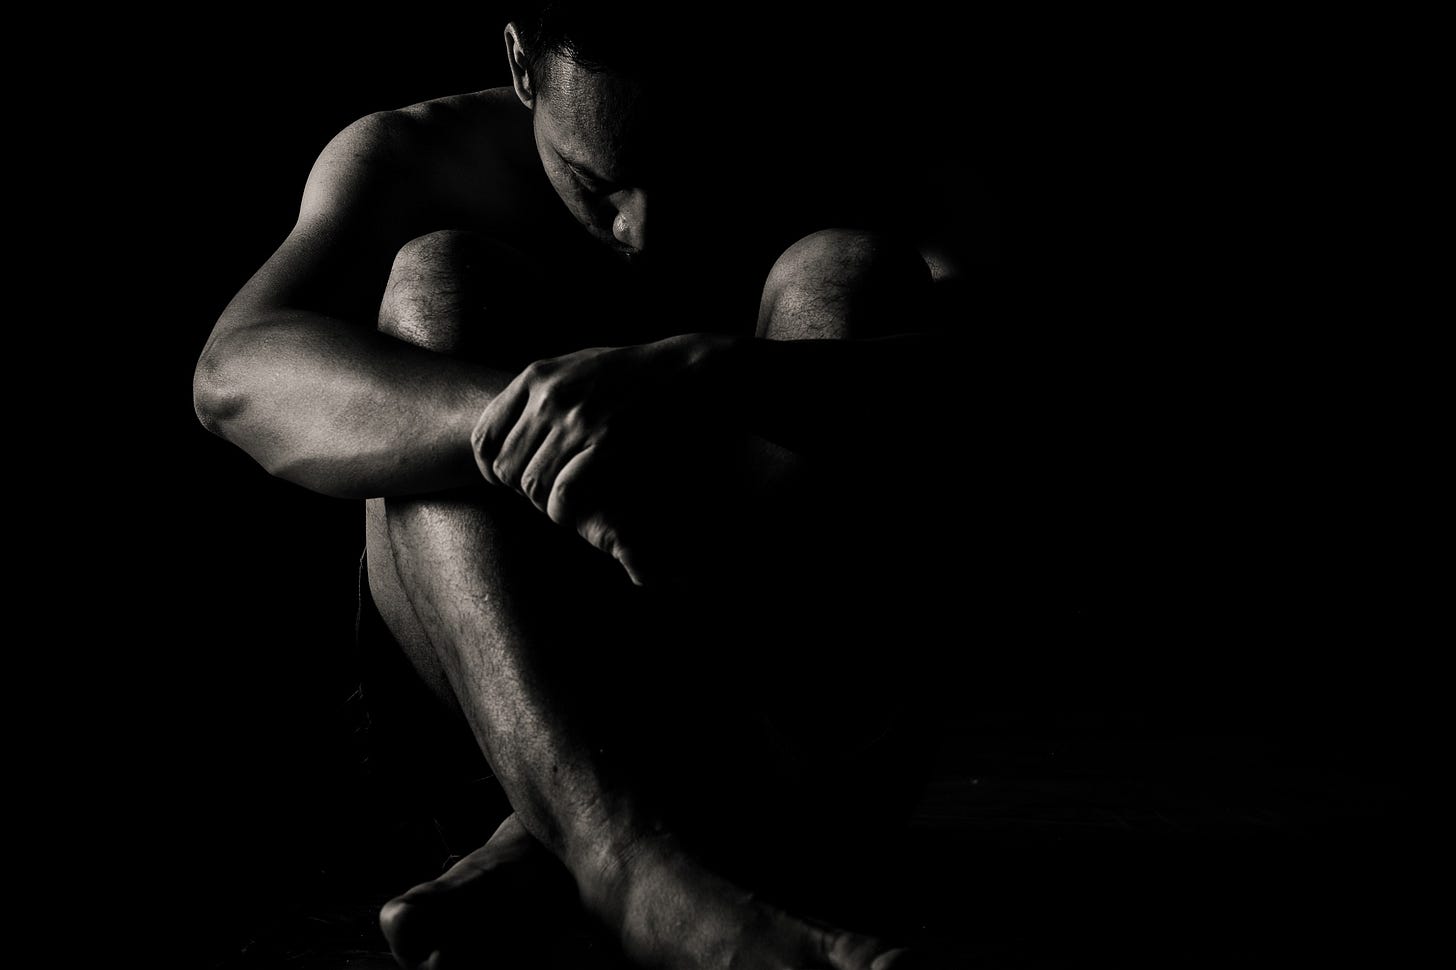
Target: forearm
<point>343,410</point>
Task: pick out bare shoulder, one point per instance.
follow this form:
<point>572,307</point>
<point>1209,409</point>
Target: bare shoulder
<point>482,127</point>
<point>392,176</point>
<point>463,158</point>
<point>491,107</point>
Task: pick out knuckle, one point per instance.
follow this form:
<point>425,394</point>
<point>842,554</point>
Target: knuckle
<point>603,536</point>
<point>540,370</point>
<point>564,493</point>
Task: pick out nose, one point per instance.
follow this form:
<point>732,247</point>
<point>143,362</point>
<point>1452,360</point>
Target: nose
<point>630,225</point>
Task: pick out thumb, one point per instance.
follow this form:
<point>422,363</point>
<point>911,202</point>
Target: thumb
<point>632,564</point>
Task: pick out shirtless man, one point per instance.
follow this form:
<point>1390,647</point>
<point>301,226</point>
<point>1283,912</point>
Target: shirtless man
<point>621,538</point>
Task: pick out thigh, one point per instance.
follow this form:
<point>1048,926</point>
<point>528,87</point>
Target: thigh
<point>466,294</point>
<point>470,295</point>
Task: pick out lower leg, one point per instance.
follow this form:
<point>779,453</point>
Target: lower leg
<point>492,604</point>
<point>436,299</point>
<point>486,581</point>
<point>857,613</point>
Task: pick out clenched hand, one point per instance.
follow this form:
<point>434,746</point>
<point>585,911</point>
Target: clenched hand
<point>559,432</point>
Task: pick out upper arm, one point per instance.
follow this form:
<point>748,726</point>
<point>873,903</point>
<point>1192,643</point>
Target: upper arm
<point>368,194</point>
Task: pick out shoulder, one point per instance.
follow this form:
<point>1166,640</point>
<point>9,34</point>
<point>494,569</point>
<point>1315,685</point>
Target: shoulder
<point>436,130</point>
<point>452,151</point>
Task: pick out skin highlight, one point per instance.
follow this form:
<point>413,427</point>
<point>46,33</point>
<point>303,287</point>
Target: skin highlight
<point>537,469</point>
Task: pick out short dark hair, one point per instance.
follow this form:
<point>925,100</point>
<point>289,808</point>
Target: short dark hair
<point>602,36</point>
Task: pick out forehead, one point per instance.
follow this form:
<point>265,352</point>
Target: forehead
<point>594,115</point>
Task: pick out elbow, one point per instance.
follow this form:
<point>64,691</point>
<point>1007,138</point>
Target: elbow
<point>226,396</point>
<point>217,395</point>
<point>235,394</point>
<point>222,398</point>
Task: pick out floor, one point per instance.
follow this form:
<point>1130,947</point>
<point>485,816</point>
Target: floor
<point>1093,848</point>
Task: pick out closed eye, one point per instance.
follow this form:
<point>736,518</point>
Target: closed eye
<point>592,185</point>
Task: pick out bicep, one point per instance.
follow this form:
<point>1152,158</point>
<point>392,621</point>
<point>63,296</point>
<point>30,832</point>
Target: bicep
<point>364,199</point>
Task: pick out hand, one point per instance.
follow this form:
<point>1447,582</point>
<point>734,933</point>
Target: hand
<point>561,431</point>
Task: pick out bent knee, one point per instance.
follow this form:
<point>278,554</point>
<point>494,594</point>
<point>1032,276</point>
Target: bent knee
<point>843,283</point>
<point>443,284</point>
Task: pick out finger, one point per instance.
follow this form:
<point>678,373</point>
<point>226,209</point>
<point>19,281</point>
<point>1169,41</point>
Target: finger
<point>571,492</point>
<point>495,423</point>
<point>574,502</point>
<point>539,476</point>
<point>631,563</point>
<point>521,443</point>
<point>603,536</point>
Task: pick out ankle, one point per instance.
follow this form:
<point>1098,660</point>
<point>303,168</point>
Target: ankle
<point>605,866</point>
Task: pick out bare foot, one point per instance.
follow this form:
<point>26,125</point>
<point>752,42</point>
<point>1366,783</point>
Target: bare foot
<point>490,903</point>
<point>667,909</point>
<point>671,911</point>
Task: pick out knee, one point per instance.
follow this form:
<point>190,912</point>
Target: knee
<point>842,283</point>
<point>441,285</point>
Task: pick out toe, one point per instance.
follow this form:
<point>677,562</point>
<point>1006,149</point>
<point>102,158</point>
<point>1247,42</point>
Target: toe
<point>851,951</point>
<point>899,959</point>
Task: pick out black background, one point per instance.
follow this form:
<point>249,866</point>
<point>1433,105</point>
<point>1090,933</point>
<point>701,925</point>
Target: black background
<point>1149,214</point>
<point>227,605</point>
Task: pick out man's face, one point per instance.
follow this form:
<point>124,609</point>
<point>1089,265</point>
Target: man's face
<point>591,134</point>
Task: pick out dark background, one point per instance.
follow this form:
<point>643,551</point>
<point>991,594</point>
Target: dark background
<point>228,615</point>
<point>1149,220</point>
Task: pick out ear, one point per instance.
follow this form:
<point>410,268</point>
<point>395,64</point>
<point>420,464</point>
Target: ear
<point>520,72</point>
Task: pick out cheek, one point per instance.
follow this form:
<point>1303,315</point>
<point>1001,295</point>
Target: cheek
<point>589,210</point>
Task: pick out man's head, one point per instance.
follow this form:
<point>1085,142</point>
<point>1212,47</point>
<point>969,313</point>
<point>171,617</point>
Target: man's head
<point>580,67</point>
